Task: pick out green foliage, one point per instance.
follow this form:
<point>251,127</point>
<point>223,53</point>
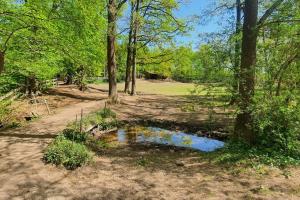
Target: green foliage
<point>10,81</point>
<point>75,135</point>
<point>43,40</point>
<point>237,153</point>
<point>105,119</point>
<point>107,113</point>
<point>67,153</point>
<point>277,123</point>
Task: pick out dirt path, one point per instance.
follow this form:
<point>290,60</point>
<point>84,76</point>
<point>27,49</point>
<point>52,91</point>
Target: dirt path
<point>116,174</point>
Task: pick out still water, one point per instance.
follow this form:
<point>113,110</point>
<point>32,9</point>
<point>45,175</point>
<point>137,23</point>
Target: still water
<point>144,135</point>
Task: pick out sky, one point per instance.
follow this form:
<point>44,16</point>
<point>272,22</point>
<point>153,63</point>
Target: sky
<point>187,10</point>
<point>194,8</point>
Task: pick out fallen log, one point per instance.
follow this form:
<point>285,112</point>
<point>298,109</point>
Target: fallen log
<point>98,134</point>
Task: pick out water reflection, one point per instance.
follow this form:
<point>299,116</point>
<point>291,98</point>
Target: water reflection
<point>164,137</point>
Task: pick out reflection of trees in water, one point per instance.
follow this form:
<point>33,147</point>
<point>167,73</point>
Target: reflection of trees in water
<point>186,140</point>
<point>153,135</point>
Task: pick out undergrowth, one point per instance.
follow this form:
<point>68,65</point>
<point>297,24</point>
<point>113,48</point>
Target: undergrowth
<point>241,154</point>
<point>73,148</point>
<point>70,154</point>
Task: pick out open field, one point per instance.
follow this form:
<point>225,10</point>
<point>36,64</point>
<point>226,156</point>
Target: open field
<point>157,87</point>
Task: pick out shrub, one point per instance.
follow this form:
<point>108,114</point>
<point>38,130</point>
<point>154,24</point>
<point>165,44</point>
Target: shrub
<point>108,124</point>
<point>67,153</point>
<point>277,124</point>
<point>75,135</point>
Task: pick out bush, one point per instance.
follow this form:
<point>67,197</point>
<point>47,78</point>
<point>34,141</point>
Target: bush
<point>75,135</point>
<point>277,124</point>
<point>67,153</point>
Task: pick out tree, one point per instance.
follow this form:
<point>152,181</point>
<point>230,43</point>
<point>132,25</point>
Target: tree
<point>244,121</point>
<point>243,127</point>
<point>112,12</point>
<point>134,50</point>
<point>129,49</point>
<point>155,25</point>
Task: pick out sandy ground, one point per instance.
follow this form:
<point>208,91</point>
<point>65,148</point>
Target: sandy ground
<point>116,173</point>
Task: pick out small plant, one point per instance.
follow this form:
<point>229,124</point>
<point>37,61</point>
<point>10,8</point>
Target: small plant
<point>105,118</point>
<point>142,162</point>
<point>107,113</point>
<point>108,124</point>
<point>67,153</point>
<point>75,135</point>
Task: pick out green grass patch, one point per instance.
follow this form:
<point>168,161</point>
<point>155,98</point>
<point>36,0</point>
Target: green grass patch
<point>240,154</point>
<point>67,153</point>
<point>105,119</point>
<point>72,148</point>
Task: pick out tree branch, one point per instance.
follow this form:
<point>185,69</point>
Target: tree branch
<point>269,12</point>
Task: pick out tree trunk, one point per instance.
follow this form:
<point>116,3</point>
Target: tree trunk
<point>129,52</point>
<point>136,29</point>
<point>244,122</point>
<point>235,85</point>
<point>32,89</point>
<point>1,62</point>
<point>111,54</point>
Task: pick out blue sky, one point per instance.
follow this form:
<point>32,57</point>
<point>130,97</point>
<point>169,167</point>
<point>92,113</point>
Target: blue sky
<point>202,25</point>
<point>192,8</point>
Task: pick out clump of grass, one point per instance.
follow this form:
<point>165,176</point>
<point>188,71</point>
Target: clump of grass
<point>72,148</point>
<point>107,113</point>
<point>75,135</point>
<point>70,154</point>
<point>105,119</point>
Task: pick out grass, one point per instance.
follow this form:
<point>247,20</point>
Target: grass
<point>241,156</point>
<point>158,87</point>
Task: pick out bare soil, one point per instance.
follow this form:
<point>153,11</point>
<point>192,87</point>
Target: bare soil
<point>127,172</point>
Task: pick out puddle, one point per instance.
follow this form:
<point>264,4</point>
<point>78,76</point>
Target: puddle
<point>163,137</point>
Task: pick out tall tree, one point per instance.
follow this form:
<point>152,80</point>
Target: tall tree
<point>129,49</point>
<point>243,127</point>
<point>111,52</point>
<point>112,12</point>
<point>134,50</point>
<point>244,121</point>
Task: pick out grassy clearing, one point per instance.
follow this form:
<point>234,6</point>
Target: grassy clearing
<point>162,87</point>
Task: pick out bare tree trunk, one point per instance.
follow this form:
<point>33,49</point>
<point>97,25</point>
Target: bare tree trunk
<point>1,61</point>
<point>111,54</point>
<point>129,52</point>
<point>235,85</point>
<point>244,121</point>
<point>32,87</point>
<point>136,29</point>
